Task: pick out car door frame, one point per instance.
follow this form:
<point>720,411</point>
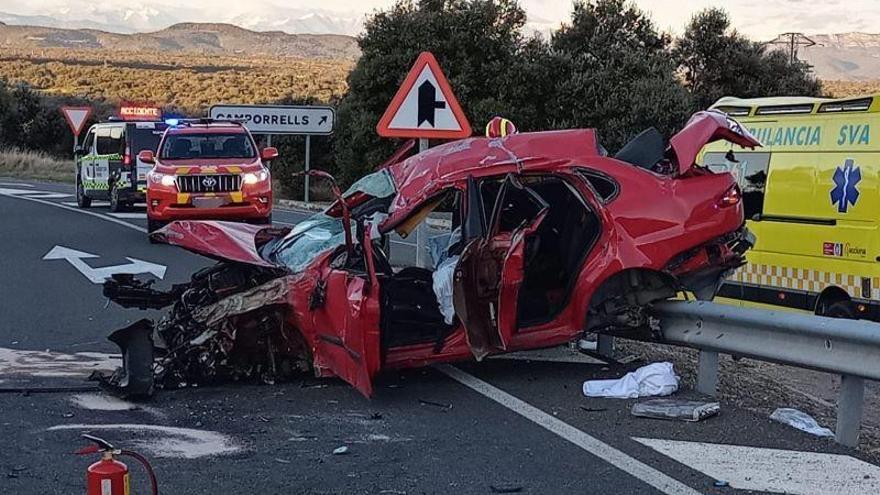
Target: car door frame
<point>347,332</point>
<point>486,288</point>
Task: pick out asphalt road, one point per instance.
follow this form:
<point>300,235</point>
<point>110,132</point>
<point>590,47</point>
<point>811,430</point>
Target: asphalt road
<point>501,426</point>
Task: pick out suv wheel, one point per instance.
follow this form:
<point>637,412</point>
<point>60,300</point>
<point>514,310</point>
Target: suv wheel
<point>82,200</point>
<point>115,204</point>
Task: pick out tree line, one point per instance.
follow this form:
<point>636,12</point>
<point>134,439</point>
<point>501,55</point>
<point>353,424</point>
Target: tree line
<point>607,67</point>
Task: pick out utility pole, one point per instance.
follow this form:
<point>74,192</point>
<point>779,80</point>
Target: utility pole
<point>793,41</point>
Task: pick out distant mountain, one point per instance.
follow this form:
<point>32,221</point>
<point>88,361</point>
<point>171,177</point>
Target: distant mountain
<point>845,57</point>
<point>252,14</point>
<point>186,37</point>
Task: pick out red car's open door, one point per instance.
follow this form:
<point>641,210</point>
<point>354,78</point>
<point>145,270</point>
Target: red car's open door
<point>490,269</point>
<point>348,324</point>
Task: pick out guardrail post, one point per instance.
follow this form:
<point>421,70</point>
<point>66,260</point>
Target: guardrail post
<point>707,373</point>
<point>849,410</point>
<point>605,345</point>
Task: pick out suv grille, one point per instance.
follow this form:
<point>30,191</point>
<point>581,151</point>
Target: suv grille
<point>208,183</point>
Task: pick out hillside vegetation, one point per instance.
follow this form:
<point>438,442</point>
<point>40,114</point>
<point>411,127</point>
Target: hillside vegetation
<point>840,89</point>
<point>191,82</point>
<point>185,37</point>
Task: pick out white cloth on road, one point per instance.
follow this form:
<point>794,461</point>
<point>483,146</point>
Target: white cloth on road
<point>647,381</point>
<point>443,287</point>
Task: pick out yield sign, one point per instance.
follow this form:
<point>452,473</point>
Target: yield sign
<point>76,117</point>
<point>424,106</point>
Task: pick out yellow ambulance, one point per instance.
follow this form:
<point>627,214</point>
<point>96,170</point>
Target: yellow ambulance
<point>811,197</point>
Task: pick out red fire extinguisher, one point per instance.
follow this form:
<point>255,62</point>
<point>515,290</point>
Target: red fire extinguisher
<point>109,476</point>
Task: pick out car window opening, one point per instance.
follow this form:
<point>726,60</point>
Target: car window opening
<point>417,302</point>
<point>555,251</point>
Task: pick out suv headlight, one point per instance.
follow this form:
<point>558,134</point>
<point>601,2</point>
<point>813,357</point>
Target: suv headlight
<point>166,180</point>
<point>255,177</point>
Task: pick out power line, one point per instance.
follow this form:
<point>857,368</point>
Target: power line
<point>793,41</point>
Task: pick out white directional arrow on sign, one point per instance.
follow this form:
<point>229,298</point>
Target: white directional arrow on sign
<point>98,275</point>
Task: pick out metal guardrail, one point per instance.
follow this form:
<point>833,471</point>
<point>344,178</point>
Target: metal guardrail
<point>850,348</point>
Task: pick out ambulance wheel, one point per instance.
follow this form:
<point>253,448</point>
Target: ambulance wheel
<point>841,309</point>
<point>115,204</point>
<point>82,200</point>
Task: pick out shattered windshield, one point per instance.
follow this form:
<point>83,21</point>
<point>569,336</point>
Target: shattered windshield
<point>377,185</point>
<point>306,241</point>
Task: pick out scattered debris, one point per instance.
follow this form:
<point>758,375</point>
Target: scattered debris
<point>445,407</point>
<point>685,410</point>
<point>101,402</point>
<point>651,380</point>
<point>594,409</point>
<point>376,416</point>
<point>506,488</point>
<point>800,420</point>
<point>68,415</point>
<point>282,461</point>
<point>340,450</point>
<point>167,441</point>
<point>721,483</point>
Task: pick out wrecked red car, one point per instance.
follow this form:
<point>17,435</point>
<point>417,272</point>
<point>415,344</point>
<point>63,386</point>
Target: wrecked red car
<point>550,238</point>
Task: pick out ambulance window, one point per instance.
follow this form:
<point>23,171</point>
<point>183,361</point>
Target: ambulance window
<point>105,143</point>
<point>90,139</point>
<point>117,136</point>
<point>750,171</point>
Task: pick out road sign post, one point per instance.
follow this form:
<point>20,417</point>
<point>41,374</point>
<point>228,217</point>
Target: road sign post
<point>424,107</point>
<point>269,120</point>
<point>76,118</point>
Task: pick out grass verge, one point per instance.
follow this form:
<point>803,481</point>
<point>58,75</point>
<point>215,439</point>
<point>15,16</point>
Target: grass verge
<point>34,165</point>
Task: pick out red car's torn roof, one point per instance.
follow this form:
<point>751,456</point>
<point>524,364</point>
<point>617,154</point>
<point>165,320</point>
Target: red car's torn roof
<point>423,174</point>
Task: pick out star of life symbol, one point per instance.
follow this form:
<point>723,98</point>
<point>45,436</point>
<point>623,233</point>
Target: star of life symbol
<point>845,193</point>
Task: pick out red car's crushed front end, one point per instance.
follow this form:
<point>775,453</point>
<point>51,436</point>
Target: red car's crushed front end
<point>550,238</point>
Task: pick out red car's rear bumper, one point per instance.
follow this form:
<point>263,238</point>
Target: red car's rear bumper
<point>251,203</point>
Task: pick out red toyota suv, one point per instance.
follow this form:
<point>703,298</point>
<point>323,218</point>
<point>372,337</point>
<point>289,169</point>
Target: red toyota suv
<point>208,170</point>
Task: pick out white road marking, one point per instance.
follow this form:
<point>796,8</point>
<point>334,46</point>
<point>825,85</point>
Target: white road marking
<point>773,470</point>
<point>168,441</point>
<point>15,184</point>
<point>98,275</point>
<point>33,193</point>
<point>601,450</point>
<point>85,212</point>
<point>22,363</point>
<point>95,204</point>
<point>102,402</point>
<point>132,215</point>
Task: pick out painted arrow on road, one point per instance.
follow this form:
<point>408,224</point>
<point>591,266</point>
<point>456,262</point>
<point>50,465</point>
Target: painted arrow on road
<point>98,275</point>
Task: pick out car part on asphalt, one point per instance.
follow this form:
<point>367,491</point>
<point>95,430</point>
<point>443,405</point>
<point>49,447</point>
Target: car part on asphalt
<point>684,410</point>
<point>552,239</point>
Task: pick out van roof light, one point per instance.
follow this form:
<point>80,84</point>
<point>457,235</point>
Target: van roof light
<point>783,109</point>
<point>860,105</point>
<point>735,111</point>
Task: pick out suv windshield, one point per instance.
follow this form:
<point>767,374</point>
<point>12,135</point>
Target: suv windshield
<point>208,145</point>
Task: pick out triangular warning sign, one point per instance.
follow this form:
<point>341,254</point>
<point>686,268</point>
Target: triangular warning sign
<point>424,106</point>
<point>76,117</point>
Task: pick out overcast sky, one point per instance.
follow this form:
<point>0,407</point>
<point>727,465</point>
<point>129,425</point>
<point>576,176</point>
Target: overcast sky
<point>758,18</point>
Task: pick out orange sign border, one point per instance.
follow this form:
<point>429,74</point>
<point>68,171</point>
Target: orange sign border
<point>425,58</point>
